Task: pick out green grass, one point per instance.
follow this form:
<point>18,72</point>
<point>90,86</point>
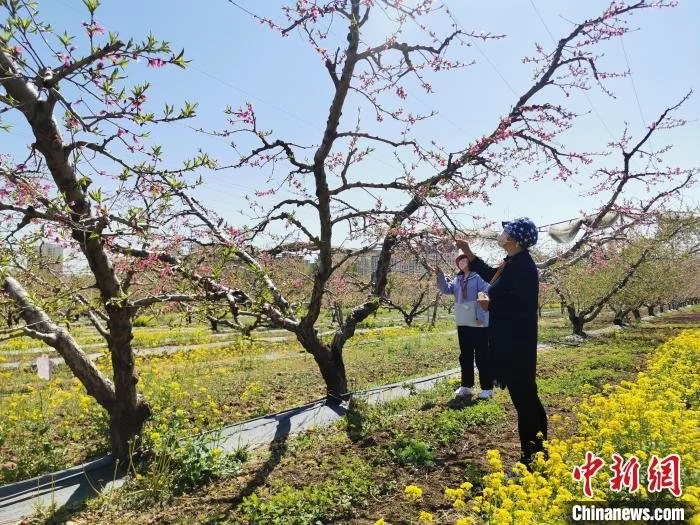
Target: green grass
<point>347,487</point>
<point>588,368</point>
<point>445,426</point>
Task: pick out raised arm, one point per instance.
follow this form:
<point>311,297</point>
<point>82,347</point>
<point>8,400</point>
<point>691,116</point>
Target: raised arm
<point>482,269</point>
<point>444,286</point>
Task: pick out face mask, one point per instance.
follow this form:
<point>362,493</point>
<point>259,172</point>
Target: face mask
<point>502,239</point>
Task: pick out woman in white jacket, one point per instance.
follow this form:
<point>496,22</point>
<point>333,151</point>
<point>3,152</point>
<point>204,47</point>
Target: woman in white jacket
<point>472,327</point>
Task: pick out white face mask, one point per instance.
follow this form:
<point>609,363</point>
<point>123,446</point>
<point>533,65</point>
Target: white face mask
<point>503,239</point>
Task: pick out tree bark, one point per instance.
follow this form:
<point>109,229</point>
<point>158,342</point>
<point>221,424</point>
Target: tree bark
<point>338,314</point>
<point>621,317</point>
<point>130,409</point>
<point>330,363</point>
<point>577,321</point>
<point>126,423</point>
<point>577,326</point>
<point>332,370</point>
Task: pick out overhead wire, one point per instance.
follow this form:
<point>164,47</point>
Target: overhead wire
<point>636,96</point>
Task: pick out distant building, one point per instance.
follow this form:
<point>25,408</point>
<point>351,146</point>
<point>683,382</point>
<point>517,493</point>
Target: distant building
<point>51,256</point>
<point>401,261</point>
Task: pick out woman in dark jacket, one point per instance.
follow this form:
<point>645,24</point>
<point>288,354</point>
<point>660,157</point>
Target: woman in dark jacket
<point>512,306</point>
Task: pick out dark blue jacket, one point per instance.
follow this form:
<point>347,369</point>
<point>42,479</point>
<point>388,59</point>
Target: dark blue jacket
<point>513,317</point>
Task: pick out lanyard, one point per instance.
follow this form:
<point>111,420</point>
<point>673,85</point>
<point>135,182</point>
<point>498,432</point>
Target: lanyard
<point>465,287</point>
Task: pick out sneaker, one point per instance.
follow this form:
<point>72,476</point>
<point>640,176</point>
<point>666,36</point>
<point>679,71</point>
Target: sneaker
<point>486,394</point>
<point>463,391</point>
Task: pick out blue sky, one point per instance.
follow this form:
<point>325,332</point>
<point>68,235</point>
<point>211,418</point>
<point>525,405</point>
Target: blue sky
<point>235,60</point>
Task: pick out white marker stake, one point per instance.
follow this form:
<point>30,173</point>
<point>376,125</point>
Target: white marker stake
<point>44,366</point>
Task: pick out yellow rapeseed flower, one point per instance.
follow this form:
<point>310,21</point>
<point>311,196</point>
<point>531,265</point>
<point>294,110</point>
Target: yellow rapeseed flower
<point>649,416</point>
<point>466,486</point>
<point>413,493</point>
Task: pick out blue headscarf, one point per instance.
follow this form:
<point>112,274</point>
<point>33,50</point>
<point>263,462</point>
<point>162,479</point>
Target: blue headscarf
<point>522,230</point>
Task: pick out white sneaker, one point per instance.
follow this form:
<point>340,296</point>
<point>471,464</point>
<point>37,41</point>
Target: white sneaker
<point>486,394</point>
<point>463,391</point>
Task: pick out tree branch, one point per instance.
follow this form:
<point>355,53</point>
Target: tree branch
<point>96,384</point>
<point>69,69</point>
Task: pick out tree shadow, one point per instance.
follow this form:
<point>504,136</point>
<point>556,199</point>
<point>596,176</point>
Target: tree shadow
<point>355,420</point>
<point>461,402</point>
<point>278,449</point>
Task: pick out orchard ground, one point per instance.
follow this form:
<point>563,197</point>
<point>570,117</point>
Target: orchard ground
<point>354,472</point>
<point>216,379</point>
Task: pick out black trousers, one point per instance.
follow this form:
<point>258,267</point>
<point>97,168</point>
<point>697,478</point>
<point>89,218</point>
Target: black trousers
<point>532,419</point>
<point>474,342</point>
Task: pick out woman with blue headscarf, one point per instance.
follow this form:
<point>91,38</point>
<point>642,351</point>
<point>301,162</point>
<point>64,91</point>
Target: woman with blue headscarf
<point>512,306</point>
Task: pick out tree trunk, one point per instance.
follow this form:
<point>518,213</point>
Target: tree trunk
<point>576,321</point>
<point>577,326</point>
<point>214,325</point>
<point>130,409</point>
<point>330,362</point>
<point>49,142</point>
<point>563,308</point>
<point>650,310</point>
<point>435,309</point>
<point>333,371</point>
<point>126,423</point>
<point>637,314</point>
<point>539,312</point>
<point>338,314</point>
<point>621,317</point>
<point>661,308</point>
